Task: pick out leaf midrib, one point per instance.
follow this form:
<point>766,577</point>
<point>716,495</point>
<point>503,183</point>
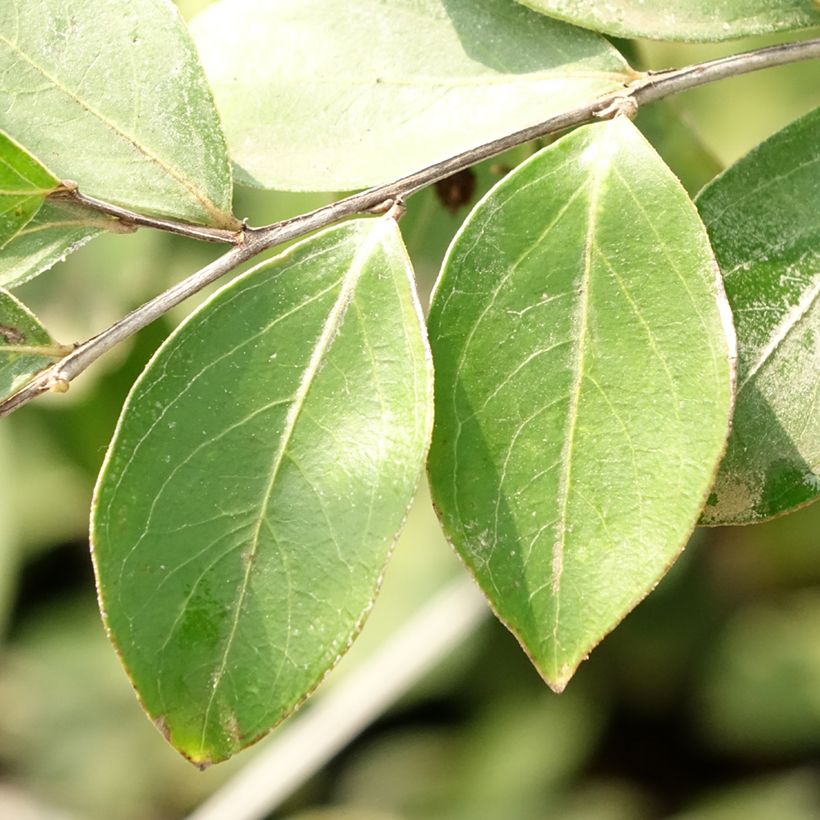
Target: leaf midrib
<point>323,344</point>
<point>565,475</point>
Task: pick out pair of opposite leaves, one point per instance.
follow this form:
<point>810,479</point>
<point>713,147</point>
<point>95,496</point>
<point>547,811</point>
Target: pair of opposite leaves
<point>267,457</point>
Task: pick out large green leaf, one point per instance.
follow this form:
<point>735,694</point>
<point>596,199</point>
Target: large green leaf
<point>24,185</point>
<point>111,95</point>
<point>326,96</point>
<point>763,216</point>
<point>693,20</point>
<point>262,466</point>
<point>583,388</point>
<point>20,337</point>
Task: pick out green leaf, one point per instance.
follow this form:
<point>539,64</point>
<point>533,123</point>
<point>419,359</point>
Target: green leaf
<point>583,388</point>
<point>111,95</point>
<point>692,20</point>
<point>327,96</point>
<point>261,468</point>
<point>763,216</point>
<point>24,185</point>
<point>58,229</point>
<point>21,336</point>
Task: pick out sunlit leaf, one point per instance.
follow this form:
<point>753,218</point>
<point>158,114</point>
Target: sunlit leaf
<point>693,20</point>
<point>21,337</point>
<point>583,388</point>
<point>327,96</point>
<point>111,95</point>
<point>763,216</point>
<point>261,469</point>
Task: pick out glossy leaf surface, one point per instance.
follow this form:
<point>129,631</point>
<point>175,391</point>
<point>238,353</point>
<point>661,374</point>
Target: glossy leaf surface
<point>329,96</point>
<point>693,20</point>
<point>111,95</point>
<point>583,388</point>
<point>260,471</point>
<point>19,329</point>
<point>763,216</point>
<point>24,185</point>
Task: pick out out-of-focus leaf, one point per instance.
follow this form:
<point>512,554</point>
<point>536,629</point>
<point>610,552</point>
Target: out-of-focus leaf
<point>693,20</point>
<point>325,96</point>
<point>21,338</point>
<point>8,534</point>
<point>763,217</point>
<point>759,687</point>
<point>583,388</point>
<point>111,95</point>
<point>262,466</point>
<point>24,185</point>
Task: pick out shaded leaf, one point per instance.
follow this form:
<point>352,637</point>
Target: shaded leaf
<point>24,185</point>
<point>763,216</point>
<point>111,95</point>
<point>678,144</point>
<point>58,229</point>
<point>259,473</point>
<point>328,96</point>
<point>692,20</point>
<point>20,337</point>
<point>583,388</point>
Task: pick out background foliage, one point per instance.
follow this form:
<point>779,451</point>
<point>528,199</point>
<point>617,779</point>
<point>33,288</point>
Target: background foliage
<point>702,705</point>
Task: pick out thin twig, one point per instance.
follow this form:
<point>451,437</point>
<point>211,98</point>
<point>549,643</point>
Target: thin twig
<point>315,735</point>
<point>69,191</point>
<point>646,89</point>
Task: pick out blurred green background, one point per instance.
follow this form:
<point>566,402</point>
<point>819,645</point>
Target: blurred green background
<point>704,703</point>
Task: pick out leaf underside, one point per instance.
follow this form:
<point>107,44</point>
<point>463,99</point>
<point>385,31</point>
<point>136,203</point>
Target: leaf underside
<point>19,327</point>
<point>111,95</point>
<point>332,96</point>
<point>583,388</point>
<point>260,471</point>
<point>692,20</point>
<point>763,217</point>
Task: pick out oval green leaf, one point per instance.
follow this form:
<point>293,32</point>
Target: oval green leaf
<point>111,95</point>
<point>583,348</point>
<point>24,185</point>
<point>21,337</point>
<point>255,484</point>
<point>763,216</point>
<point>691,20</point>
<point>329,96</point>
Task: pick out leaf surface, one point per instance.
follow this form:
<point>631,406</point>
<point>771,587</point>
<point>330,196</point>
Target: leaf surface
<point>583,388</point>
<point>19,329</point>
<point>111,95</point>
<point>24,185</point>
<point>329,96</point>
<point>692,20</point>
<point>258,476</point>
<point>763,216</point>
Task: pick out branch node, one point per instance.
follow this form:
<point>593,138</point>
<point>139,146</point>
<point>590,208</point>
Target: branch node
<point>398,209</point>
<point>58,384</point>
<point>624,105</point>
<point>383,207</point>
